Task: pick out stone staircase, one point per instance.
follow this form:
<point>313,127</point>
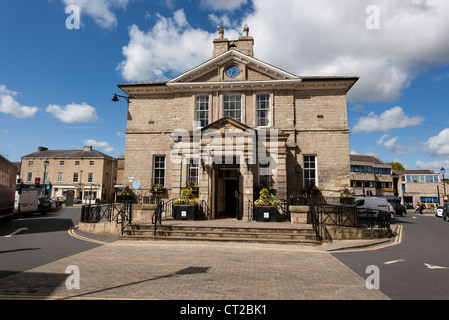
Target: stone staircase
<point>251,232</point>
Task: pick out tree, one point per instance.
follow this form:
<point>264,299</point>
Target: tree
<point>397,166</point>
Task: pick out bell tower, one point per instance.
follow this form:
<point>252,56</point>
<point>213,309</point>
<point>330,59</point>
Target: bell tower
<point>244,44</point>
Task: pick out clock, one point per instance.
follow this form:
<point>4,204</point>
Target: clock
<point>232,71</point>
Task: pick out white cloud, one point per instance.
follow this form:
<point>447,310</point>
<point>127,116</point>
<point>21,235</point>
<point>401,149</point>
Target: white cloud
<point>9,105</point>
<point>328,37</point>
<point>438,145</point>
<point>99,10</point>
<point>104,145</point>
<point>222,21</point>
<point>432,165</point>
<point>308,37</point>
<point>223,4</point>
<point>394,118</point>
<point>170,48</point>
<point>73,113</point>
<point>392,146</point>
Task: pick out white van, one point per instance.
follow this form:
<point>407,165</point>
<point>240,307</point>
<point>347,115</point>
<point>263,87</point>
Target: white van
<point>26,202</point>
<point>375,204</point>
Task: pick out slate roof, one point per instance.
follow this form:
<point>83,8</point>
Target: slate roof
<point>361,158</point>
<point>68,154</point>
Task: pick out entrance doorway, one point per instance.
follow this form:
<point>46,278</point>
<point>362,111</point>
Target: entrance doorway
<point>227,193</point>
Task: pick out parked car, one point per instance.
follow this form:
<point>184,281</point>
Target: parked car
<point>409,205</point>
<point>446,212</point>
<point>439,211</point>
<point>399,209</point>
<point>44,205</point>
<point>376,204</point>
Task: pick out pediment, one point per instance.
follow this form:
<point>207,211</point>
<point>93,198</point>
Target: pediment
<point>226,124</point>
<point>212,71</point>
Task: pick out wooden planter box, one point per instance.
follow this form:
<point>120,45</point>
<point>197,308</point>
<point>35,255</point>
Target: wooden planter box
<point>266,213</point>
<point>185,212</point>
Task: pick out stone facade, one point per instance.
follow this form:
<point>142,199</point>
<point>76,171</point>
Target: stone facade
<point>370,176</point>
<point>82,171</point>
<point>307,115</point>
<point>420,186</point>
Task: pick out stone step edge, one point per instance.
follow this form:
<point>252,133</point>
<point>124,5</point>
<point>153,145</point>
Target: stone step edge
<point>252,240</point>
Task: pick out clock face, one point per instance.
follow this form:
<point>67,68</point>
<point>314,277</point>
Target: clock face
<point>232,71</point>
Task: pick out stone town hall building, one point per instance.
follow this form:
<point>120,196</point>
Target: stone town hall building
<point>234,122</point>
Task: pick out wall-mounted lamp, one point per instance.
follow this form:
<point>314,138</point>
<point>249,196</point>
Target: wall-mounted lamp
<point>116,97</point>
<point>247,161</point>
<point>203,163</point>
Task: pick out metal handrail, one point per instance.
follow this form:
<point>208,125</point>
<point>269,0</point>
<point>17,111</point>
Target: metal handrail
<point>157,216</point>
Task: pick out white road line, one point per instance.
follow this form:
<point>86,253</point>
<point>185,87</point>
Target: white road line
<point>15,232</point>
<point>430,266</point>
<point>394,261</point>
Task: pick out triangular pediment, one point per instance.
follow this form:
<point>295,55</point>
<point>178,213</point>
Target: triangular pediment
<point>226,124</point>
<point>213,70</point>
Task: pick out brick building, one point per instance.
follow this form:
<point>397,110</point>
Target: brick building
<point>235,122</point>
<point>85,172</point>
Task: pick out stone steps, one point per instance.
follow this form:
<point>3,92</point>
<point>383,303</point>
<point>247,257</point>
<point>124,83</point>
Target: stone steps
<point>262,234</point>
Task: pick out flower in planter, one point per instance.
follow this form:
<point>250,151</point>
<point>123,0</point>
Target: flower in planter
<point>157,187</point>
<point>347,193</point>
<point>266,198</point>
<point>312,190</point>
<point>186,197</point>
<point>127,191</point>
<point>192,183</point>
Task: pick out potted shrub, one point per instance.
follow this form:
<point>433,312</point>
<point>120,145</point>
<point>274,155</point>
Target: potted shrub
<point>157,188</point>
<point>192,185</point>
<point>185,207</point>
<point>265,208</point>
<point>347,196</point>
<point>126,193</point>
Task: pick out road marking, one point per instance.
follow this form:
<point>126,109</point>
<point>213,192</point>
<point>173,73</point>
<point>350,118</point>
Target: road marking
<point>394,261</point>
<point>71,231</point>
<point>430,266</point>
<point>15,232</point>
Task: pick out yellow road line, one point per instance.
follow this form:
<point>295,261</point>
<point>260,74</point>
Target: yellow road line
<point>71,232</point>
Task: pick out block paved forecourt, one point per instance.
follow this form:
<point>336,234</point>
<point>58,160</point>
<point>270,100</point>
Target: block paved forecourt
<point>193,270</point>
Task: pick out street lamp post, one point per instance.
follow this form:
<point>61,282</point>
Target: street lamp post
<point>444,184</point>
<point>80,194</point>
<point>45,178</point>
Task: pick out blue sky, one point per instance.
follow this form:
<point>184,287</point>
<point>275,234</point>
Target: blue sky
<point>56,83</point>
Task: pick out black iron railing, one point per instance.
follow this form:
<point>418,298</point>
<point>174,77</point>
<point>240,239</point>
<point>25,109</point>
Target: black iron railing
<point>121,213</point>
<point>157,216</point>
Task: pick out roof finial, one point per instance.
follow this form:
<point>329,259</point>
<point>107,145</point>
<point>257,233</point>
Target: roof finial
<point>246,30</point>
<point>220,32</point>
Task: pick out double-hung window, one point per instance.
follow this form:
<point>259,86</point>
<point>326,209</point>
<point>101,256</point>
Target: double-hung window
<point>60,176</point>
<point>263,107</point>
<point>159,170</point>
<point>232,106</point>
<point>193,172</point>
<point>310,173</point>
<point>201,111</point>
